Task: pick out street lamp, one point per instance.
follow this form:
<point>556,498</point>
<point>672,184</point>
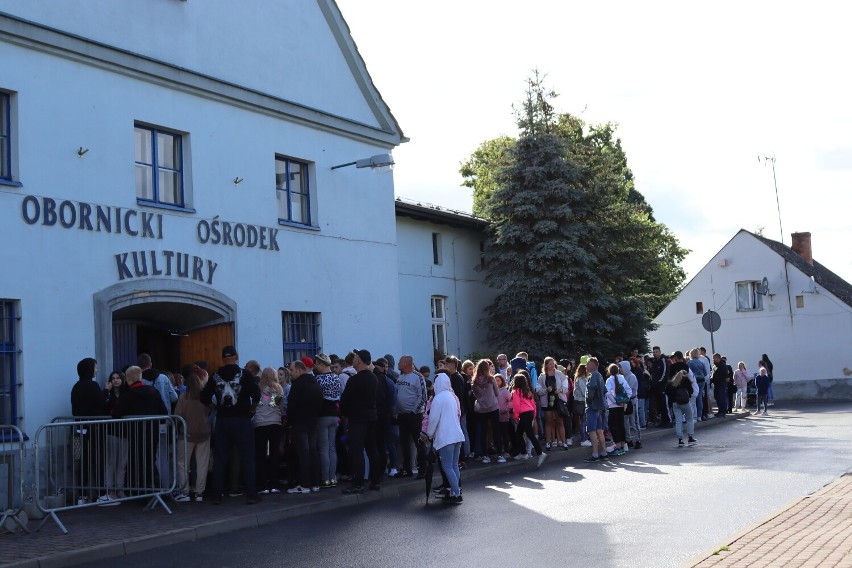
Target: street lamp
<point>379,161</point>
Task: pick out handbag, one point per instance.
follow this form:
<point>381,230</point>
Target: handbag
<point>562,408</point>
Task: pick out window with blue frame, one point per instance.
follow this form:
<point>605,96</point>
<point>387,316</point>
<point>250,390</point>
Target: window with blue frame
<point>9,354</point>
<point>159,166</point>
<point>301,333</point>
<point>5,137</point>
<point>293,190</point>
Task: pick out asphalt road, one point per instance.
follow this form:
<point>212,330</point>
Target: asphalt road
<point>658,506</point>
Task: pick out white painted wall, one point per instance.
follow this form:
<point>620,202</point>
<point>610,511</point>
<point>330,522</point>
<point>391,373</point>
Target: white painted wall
<point>283,49</point>
<point>62,105</point>
<point>457,278</point>
<point>804,344</point>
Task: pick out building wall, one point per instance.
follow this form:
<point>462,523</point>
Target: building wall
<point>284,49</point>
<point>62,104</point>
<point>808,346</point>
<point>457,278</point>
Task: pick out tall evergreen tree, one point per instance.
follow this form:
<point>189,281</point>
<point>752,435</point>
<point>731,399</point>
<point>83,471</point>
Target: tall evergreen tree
<point>578,259</point>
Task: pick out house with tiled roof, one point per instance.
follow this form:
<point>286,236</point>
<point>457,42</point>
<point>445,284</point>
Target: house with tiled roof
<point>772,299</point>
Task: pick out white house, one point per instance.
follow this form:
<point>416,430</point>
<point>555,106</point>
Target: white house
<point>176,176</point>
<point>443,294</point>
<point>771,299</point>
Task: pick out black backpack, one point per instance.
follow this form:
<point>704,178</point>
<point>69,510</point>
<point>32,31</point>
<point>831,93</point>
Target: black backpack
<point>683,391</point>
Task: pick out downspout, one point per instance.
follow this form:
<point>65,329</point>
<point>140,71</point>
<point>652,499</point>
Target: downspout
<point>456,299</point>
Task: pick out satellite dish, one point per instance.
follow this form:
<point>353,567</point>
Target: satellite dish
<point>763,287</point>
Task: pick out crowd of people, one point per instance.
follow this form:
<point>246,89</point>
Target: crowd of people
<point>361,421</point>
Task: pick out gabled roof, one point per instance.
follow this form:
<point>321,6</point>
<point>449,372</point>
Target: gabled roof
<point>821,275</point>
<point>437,214</point>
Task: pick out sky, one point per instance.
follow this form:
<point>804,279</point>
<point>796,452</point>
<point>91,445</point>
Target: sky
<point>698,91</point>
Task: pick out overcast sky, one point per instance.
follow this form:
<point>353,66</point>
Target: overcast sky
<point>698,92</point>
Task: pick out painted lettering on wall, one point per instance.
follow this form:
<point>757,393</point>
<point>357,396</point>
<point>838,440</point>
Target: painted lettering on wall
<point>144,263</point>
<point>225,233</point>
<point>86,217</point>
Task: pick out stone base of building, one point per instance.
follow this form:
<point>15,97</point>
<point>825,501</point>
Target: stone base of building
<point>818,389</point>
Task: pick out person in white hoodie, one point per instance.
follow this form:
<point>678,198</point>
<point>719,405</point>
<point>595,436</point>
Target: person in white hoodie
<point>446,433</point>
<point>617,393</point>
<point>552,384</point>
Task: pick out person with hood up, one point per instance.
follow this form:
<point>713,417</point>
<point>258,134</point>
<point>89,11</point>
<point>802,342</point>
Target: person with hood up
<point>631,422</point>
<point>446,433</point>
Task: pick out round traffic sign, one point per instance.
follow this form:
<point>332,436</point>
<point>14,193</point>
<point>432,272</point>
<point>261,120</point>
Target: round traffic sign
<point>711,321</point>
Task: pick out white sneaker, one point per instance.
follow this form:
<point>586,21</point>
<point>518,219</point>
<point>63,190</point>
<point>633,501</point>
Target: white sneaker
<point>522,457</point>
<point>541,457</point>
<point>180,498</point>
<point>393,472</point>
<point>501,459</point>
<point>298,489</point>
<point>586,444</point>
<point>486,459</point>
<point>610,449</point>
<point>568,442</point>
<point>83,501</point>
<point>106,501</point>
<point>547,446</point>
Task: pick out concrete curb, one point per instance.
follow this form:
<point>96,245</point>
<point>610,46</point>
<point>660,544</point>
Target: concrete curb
<point>214,528</point>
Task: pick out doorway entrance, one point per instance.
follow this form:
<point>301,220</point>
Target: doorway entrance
<point>174,322</point>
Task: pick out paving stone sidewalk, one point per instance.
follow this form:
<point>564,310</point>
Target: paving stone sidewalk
<point>814,531</point>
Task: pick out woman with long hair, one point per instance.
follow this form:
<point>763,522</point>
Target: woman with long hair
<point>524,408</point>
<point>616,391</point>
<point>581,380</point>
<point>116,443</point>
<point>552,385</point>
<point>267,422</point>
<point>767,364</point>
<point>741,382</point>
<point>680,390</point>
<point>487,411</point>
<point>196,416</point>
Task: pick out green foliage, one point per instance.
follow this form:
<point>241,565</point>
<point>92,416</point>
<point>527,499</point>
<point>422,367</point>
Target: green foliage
<point>575,253</point>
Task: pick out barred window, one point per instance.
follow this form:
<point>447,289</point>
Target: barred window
<point>9,359</point>
<point>301,333</point>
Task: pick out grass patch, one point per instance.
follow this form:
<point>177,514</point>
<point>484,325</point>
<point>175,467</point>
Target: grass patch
<point>720,549</point>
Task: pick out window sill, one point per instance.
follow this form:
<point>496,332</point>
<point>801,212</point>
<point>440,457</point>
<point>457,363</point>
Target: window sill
<point>146,203</point>
<point>295,225</point>
<point>10,183</point>
<point>750,309</point>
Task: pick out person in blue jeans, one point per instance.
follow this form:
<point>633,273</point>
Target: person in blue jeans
<point>682,392</point>
<point>696,365</point>
<point>446,434</point>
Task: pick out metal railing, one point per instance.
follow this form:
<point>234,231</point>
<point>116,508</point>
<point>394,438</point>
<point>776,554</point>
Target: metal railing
<point>86,462</point>
<point>12,453</point>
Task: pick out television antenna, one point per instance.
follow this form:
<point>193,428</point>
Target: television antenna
<point>771,160</point>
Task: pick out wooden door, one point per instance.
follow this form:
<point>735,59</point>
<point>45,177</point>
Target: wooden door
<point>206,345</point>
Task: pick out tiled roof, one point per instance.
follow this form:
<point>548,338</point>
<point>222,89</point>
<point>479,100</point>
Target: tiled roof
<point>821,275</point>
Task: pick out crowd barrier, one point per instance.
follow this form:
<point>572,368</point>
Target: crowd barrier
<point>12,454</point>
<point>89,461</point>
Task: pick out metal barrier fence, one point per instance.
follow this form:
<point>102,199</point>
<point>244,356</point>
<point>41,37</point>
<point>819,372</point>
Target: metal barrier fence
<point>86,462</point>
<point>12,453</point>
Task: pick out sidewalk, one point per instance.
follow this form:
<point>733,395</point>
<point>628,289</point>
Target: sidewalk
<point>814,531</point>
<point>96,533</point>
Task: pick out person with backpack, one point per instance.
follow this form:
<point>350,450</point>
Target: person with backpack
<point>681,390</point>
<point>618,393</point>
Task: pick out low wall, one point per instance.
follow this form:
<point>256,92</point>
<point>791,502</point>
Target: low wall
<point>817,389</point>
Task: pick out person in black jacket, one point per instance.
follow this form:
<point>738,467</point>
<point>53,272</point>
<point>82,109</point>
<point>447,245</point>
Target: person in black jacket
<point>385,406</point>
<point>659,378</point>
<point>236,395</point>
<point>358,404</point>
<point>304,406</point>
<point>87,401</point>
<point>720,385</point>
<point>140,399</point>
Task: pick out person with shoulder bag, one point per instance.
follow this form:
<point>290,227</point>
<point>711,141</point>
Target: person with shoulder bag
<point>681,390</point>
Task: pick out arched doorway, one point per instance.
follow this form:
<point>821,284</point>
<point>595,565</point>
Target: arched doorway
<point>175,322</point>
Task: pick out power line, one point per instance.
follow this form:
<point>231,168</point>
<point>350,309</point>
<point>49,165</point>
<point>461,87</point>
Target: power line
<point>771,159</point>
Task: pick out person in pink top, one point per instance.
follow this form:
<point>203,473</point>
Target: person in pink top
<point>524,408</point>
<point>741,382</point>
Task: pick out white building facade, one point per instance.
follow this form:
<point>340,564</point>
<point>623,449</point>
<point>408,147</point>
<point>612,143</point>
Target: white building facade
<point>166,186</point>
<point>442,282</point>
<point>800,315</point>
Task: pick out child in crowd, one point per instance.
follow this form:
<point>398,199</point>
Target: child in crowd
<point>762,383</point>
<point>741,382</point>
<point>504,399</point>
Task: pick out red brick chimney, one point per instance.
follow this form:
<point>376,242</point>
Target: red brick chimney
<point>802,246</point>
